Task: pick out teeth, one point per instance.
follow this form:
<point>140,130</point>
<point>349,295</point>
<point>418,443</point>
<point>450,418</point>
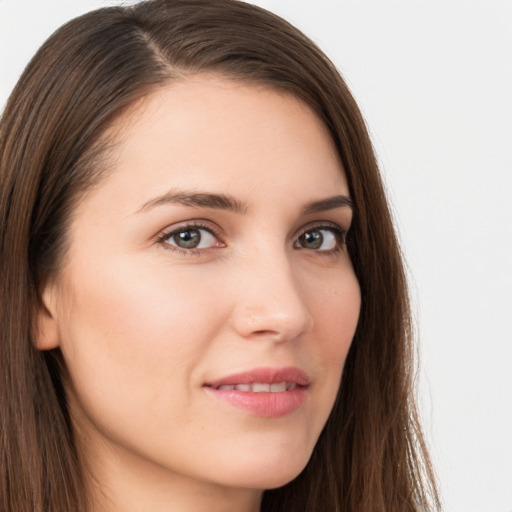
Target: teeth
<point>260,387</point>
<point>280,386</point>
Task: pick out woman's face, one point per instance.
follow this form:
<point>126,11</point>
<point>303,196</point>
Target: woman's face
<point>212,255</point>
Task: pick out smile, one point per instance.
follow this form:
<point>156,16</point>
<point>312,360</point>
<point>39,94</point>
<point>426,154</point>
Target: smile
<point>260,387</point>
<point>263,392</point>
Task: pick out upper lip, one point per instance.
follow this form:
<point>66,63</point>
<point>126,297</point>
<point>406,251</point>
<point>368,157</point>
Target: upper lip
<point>266,375</point>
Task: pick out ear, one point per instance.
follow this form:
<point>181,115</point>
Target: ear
<point>47,335</point>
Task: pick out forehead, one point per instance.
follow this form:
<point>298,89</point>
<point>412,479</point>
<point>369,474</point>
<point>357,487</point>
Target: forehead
<point>208,132</point>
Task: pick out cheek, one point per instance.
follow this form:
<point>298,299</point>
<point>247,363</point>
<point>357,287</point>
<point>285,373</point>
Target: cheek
<point>136,334</point>
<point>336,314</point>
<point>131,308</point>
<point>335,308</point>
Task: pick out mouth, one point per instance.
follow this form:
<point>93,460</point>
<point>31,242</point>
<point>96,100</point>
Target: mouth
<point>263,392</point>
<point>259,387</point>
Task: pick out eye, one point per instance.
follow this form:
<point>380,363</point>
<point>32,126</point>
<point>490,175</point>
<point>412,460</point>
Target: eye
<point>190,238</point>
<point>321,238</point>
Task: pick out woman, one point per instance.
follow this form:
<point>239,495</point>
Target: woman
<point>193,221</point>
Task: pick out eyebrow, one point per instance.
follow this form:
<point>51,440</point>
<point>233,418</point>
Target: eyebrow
<point>230,203</point>
<point>198,200</point>
<point>330,203</point>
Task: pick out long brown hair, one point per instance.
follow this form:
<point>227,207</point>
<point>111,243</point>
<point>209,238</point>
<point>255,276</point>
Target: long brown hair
<point>371,455</point>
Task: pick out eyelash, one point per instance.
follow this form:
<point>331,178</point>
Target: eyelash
<point>339,233</point>
<point>190,226</point>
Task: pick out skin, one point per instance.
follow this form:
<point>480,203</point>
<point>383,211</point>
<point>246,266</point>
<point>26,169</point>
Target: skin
<point>143,324</point>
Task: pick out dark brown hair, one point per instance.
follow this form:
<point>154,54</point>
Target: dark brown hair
<point>371,455</point>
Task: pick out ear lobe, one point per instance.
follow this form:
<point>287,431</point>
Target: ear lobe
<point>47,336</point>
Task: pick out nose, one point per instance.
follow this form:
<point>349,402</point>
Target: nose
<point>270,303</point>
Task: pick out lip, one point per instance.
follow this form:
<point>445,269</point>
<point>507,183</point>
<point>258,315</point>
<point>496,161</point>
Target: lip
<point>267,375</point>
<point>263,404</point>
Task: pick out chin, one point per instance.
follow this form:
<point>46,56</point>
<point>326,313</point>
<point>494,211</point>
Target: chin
<point>267,472</point>
<point>271,478</point>
<point>281,479</point>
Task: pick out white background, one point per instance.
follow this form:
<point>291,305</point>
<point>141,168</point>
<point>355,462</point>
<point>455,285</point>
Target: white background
<point>434,80</point>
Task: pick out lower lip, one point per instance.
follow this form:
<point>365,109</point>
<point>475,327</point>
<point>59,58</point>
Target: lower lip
<point>265,405</point>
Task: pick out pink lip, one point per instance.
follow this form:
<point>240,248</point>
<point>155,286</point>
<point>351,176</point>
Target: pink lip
<point>264,404</point>
<point>267,375</point>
